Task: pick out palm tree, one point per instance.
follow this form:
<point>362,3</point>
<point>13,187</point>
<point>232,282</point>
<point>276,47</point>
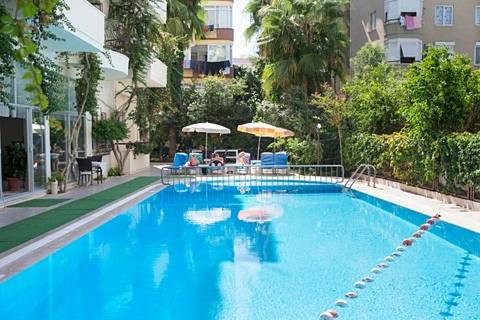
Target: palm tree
<point>303,42</point>
<point>253,9</point>
<point>185,21</point>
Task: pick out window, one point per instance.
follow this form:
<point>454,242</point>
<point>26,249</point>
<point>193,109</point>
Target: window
<point>373,21</point>
<point>477,54</point>
<point>477,15</point>
<point>219,16</point>
<point>447,44</point>
<point>392,10</point>
<point>217,53</point>
<point>444,15</point>
<point>199,53</point>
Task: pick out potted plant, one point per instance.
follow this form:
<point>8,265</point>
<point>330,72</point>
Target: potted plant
<point>52,181</point>
<point>15,166</point>
<point>60,177</point>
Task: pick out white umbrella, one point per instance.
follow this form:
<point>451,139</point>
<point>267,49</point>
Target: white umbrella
<point>206,127</point>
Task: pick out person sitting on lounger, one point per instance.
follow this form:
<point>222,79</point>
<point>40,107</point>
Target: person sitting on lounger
<point>192,162</point>
<point>217,160</point>
<point>242,159</point>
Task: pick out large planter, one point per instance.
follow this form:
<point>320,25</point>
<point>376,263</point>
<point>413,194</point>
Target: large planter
<point>14,184</point>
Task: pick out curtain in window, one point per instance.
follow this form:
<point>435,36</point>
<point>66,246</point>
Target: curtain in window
<point>447,15</point>
<point>438,15</point>
<point>217,53</point>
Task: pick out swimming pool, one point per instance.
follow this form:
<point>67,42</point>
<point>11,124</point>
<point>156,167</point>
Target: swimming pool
<point>184,253</point>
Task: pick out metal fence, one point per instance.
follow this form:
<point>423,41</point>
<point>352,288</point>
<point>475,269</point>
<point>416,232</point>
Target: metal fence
<point>231,174</point>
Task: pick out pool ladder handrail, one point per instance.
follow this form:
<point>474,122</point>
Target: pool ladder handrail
<point>358,174</point>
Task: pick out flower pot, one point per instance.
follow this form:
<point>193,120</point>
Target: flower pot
<point>14,184</point>
<point>54,187</point>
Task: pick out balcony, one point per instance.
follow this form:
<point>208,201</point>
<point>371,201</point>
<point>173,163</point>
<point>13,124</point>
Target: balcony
<point>156,77</point>
<point>114,65</point>
<point>88,29</point>
<point>400,28</point>
<point>220,34</point>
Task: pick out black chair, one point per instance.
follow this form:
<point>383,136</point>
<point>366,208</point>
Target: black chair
<point>85,171</point>
<point>97,169</point>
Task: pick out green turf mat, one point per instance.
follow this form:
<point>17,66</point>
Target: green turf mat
<point>38,203</point>
<point>27,229</point>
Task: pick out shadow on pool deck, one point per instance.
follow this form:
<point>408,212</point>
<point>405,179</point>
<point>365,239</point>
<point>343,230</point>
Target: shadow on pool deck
<point>25,230</point>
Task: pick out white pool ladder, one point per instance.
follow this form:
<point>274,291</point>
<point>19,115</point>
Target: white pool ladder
<point>371,172</point>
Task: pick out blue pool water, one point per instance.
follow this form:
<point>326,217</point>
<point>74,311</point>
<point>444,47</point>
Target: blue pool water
<point>185,254</point>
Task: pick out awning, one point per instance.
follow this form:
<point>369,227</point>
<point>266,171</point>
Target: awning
<point>411,49</point>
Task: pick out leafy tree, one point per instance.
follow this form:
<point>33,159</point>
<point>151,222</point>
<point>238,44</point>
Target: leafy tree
<point>334,108</point>
<point>301,151</point>
<point>111,131</point>
<point>225,102</point>
<point>7,47</point>
<point>443,94</point>
<point>375,99</point>
<point>86,89</point>
<point>27,29</point>
<point>369,56</point>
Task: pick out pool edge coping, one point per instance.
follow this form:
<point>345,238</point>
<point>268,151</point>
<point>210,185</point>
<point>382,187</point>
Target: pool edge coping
<point>449,215</point>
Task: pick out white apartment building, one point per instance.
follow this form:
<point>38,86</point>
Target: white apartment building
<point>45,138</point>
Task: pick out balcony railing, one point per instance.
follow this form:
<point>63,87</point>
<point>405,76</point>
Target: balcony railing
<point>116,37</point>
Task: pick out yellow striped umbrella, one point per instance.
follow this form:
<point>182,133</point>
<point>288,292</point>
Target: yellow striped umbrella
<point>261,129</point>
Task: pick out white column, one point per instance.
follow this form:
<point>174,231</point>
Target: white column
<point>48,164</point>
<point>87,125</point>
<point>29,138</point>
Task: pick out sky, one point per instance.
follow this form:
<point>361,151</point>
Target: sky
<point>241,48</point>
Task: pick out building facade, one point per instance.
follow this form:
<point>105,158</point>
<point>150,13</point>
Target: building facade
<point>45,138</point>
<point>212,54</point>
<point>407,27</point>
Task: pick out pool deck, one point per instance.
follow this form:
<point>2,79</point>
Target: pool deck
<point>451,213</point>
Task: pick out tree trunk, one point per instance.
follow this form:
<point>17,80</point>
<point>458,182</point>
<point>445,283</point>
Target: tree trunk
<point>172,142</point>
<point>72,147</point>
<point>339,130</point>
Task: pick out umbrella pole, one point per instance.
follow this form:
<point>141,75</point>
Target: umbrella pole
<point>206,145</point>
<point>258,148</point>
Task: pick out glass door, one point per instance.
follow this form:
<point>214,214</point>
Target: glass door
<point>40,156</point>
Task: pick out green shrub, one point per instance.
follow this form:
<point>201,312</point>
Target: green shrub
<point>115,172</point>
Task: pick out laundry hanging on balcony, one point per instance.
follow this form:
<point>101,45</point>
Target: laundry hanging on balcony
<point>412,23</point>
<point>217,67</point>
<point>207,67</point>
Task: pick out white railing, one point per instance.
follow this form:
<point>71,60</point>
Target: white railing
<point>232,174</point>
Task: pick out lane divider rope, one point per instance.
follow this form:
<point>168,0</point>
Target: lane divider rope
<point>362,284</point>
